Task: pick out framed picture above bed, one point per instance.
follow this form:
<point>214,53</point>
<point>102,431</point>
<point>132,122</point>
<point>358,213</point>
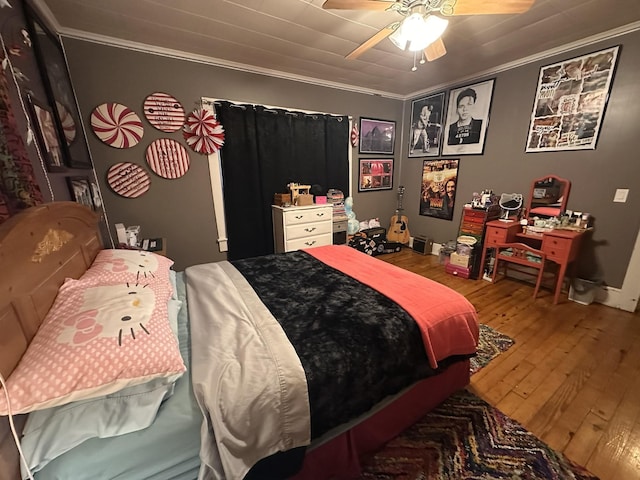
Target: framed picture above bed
<point>570,101</point>
<point>57,83</point>
<point>80,190</point>
<point>377,136</point>
<point>425,136</point>
<point>44,129</point>
<point>375,174</point>
<point>467,119</point>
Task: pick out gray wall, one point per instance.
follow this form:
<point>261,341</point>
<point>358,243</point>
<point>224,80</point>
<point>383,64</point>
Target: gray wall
<point>594,174</point>
<point>181,210</point>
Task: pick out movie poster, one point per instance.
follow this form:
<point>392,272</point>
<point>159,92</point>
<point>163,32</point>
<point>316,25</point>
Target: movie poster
<point>570,102</point>
<point>438,190</point>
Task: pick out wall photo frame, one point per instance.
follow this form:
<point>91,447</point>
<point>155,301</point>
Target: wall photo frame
<point>571,98</point>
<point>377,136</point>
<point>425,135</point>
<point>467,119</point>
<point>438,189</point>
<point>80,190</point>
<point>375,174</point>
<point>57,84</point>
<point>44,129</point>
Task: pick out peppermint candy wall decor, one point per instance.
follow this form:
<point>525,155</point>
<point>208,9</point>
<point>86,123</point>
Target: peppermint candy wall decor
<point>167,158</point>
<point>128,179</point>
<point>117,125</point>
<point>203,132</point>
<point>164,112</point>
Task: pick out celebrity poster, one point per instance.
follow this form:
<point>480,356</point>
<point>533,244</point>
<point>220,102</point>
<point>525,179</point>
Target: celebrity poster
<point>425,136</point>
<point>467,119</point>
<point>570,102</point>
<point>438,191</point>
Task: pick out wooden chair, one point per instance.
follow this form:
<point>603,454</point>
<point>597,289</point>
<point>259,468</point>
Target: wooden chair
<point>520,254</point>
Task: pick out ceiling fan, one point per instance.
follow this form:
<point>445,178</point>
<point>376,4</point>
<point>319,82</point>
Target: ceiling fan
<point>421,30</point>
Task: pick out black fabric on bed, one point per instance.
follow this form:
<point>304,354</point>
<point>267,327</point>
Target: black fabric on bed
<point>356,345</point>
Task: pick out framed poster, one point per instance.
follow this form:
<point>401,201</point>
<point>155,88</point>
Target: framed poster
<point>467,119</point>
<point>438,190</point>
<point>80,189</point>
<point>375,174</point>
<point>377,136</point>
<point>570,102</point>
<point>57,84</point>
<point>46,134</point>
<point>425,136</point>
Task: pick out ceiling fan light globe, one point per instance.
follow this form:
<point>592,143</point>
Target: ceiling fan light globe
<point>417,32</point>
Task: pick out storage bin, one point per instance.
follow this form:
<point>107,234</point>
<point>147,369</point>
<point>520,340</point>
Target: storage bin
<point>583,291</point>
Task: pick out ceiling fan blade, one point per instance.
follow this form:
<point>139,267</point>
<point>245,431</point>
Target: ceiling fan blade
<point>435,50</point>
<point>357,4</point>
<point>490,7</point>
<point>373,41</point>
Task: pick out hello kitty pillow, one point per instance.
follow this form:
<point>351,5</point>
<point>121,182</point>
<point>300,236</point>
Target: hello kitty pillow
<point>97,339</point>
<point>118,265</point>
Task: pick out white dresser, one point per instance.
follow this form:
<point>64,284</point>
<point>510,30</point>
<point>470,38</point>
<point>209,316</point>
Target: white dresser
<point>301,227</point>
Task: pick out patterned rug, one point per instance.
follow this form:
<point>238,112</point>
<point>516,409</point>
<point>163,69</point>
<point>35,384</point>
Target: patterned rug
<point>465,438</point>
<point>491,344</point>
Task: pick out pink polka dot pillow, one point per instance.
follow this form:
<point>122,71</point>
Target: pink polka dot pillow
<point>118,265</point>
<point>97,339</point>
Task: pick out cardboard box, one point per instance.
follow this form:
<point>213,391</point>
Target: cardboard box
<point>304,199</point>
<point>460,260</point>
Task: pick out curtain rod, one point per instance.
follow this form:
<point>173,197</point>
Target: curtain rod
<point>213,101</point>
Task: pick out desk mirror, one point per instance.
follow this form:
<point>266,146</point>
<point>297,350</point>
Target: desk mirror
<point>549,196</point>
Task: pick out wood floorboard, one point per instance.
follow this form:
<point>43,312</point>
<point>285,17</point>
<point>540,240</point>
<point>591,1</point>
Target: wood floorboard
<point>573,375</point>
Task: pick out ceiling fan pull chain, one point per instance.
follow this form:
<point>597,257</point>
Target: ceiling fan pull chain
<point>422,59</point>
<point>414,68</point>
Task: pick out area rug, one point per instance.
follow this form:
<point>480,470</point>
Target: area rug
<point>491,343</point>
<point>466,438</point>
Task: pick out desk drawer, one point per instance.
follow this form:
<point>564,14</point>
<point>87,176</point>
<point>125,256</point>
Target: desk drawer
<point>495,235</point>
<point>556,247</point>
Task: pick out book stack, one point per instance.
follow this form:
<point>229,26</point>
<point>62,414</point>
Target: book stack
<point>336,199</point>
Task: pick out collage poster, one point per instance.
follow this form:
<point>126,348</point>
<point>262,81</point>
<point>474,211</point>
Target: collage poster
<point>570,101</point>
<point>438,190</point>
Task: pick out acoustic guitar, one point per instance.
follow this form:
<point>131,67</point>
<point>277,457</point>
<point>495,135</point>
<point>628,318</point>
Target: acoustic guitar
<point>399,227</point>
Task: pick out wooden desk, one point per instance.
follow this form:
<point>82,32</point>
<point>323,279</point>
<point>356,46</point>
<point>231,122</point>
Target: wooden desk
<point>560,246</point>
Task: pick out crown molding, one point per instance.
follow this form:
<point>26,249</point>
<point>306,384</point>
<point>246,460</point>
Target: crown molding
<point>217,62</point>
<point>608,35</point>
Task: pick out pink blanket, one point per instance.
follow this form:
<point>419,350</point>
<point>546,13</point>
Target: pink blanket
<point>447,320</point>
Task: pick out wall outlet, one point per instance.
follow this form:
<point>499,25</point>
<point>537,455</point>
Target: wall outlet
<point>621,195</point>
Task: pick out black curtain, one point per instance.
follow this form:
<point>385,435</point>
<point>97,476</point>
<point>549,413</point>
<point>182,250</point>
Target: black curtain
<point>264,150</point>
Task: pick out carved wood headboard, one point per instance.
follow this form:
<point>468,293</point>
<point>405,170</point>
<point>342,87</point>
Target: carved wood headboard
<point>39,248</point>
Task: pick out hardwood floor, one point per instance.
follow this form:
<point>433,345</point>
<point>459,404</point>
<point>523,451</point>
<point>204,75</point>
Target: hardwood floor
<point>572,377</point>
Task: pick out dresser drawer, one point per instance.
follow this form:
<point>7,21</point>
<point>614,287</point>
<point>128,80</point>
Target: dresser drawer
<point>308,216</point>
<point>308,229</point>
<point>556,247</point>
<point>309,241</point>
<point>471,228</point>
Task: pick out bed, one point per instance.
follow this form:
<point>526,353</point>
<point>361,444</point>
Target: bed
<point>334,354</point>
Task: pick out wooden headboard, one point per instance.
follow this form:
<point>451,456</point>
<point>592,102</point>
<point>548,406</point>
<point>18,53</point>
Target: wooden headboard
<point>39,248</point>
